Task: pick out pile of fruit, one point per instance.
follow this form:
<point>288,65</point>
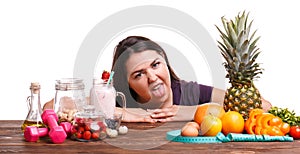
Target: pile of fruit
<point>84,130</point>
<point>211,118</point>
<point>242,112</point>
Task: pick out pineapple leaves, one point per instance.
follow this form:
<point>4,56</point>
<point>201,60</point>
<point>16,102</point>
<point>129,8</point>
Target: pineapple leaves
<point>241,22</point>
<point>239,51</point>
<point>232,33</point>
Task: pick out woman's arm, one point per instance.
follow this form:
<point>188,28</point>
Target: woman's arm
<point>217,96</point>
<point>48,105</point>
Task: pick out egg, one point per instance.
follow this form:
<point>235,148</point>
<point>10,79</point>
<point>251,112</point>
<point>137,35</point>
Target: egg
<point>193,123</point>
<point>189,130</point>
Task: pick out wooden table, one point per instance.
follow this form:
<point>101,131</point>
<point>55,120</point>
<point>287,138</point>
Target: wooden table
<point>141,138</point>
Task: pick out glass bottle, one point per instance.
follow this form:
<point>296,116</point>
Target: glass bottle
<point>33,117</point>
<point>69,98</point>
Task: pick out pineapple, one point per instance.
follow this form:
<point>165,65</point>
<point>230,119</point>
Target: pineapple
<point>238,47</point>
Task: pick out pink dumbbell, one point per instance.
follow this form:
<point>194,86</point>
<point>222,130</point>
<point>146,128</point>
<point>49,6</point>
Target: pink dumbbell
<point>32,133</point>
<point>67,127</point>
<point>57,133</point>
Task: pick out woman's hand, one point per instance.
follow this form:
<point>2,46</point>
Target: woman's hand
<point>165,114</point>
<point>135,115</point>
<point>266,105</point>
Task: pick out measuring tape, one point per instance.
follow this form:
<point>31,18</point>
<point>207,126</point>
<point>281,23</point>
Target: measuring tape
<point>175,136</point>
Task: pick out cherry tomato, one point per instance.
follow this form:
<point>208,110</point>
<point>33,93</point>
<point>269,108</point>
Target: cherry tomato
<point>73,129</point>
<point>78,135</point>
<point>295,132</point>
<point>95,135</point>
<point>87,135</point>
<point>80,129</point>
<point>87,128</point>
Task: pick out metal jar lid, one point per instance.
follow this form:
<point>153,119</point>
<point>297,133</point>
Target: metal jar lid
<point>65,84</point>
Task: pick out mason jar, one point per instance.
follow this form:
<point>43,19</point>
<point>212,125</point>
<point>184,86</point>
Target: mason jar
<point>88,125</point>
<point>69,98</point>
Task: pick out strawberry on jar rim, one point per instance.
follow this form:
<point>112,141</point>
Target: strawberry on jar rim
<point>105,75</point>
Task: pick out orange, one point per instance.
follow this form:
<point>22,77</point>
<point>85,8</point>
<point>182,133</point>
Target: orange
<point>232,122</point>
<point>214,109</point>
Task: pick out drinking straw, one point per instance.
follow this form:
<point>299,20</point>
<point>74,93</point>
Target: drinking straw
<point>110,78</point>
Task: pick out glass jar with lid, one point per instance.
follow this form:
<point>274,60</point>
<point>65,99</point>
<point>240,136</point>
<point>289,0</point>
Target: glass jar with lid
<point>69,98</point>
<point>88,125</point>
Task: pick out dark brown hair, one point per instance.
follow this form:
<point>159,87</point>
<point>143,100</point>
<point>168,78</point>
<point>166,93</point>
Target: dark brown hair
<point>133,44</point>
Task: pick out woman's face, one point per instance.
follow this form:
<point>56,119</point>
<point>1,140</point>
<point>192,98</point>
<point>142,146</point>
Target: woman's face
<point>149,77</point>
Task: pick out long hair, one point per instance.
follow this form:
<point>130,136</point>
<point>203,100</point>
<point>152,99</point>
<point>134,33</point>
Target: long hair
<point>128,46</point>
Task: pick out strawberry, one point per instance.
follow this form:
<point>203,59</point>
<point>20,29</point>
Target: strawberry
<point>105,75</point>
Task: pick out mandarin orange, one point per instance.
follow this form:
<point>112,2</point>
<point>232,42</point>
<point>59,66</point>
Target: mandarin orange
<point>232,122</point>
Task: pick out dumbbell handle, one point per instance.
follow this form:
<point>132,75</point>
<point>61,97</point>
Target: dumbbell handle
<point>32,133</point>
<point>51,121</point>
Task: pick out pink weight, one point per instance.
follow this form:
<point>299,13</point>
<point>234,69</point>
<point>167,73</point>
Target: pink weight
<point>67,127</point>
<point>32,133</point>
<point>57,133</point>
<point>49,121</point>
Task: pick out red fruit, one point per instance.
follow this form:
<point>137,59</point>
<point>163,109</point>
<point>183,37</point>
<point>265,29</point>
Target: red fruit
<point>73,129</point>
<point>81,129</point>
<point>79,121</point>
<point>87,128</point>
<point>295,132</point>
<point>95,135</point>
<point>87,135</point>
<point>105,75</point>
<point>78,135</point>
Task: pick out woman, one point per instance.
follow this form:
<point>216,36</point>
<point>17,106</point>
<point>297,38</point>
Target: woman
<point>153,91</point>
<point>144,75</point>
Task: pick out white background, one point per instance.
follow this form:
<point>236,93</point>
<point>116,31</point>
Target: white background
<point>39,41</point>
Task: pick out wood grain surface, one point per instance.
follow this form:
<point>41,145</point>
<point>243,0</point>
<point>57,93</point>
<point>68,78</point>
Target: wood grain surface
<point>141,138</point>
